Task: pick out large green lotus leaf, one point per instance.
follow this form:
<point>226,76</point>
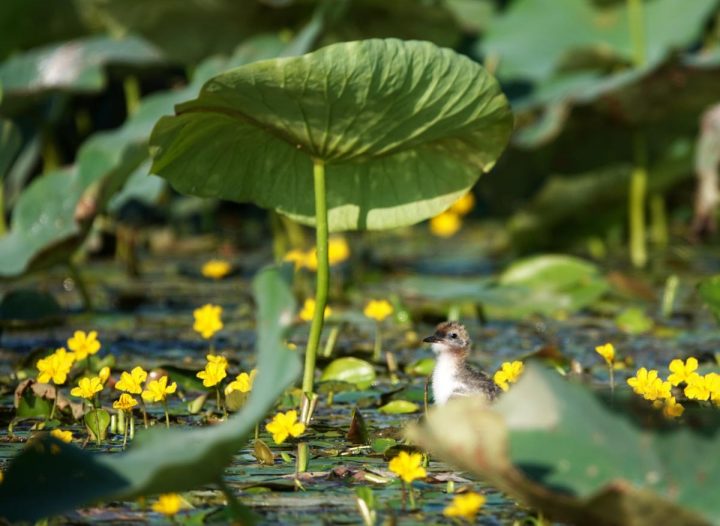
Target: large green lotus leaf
<point>77,65</point>
<point>404,128</point>
<point>537,285</point>
<point>553,445</point>
<point>159,460</point>
<point>533,38</point>
<point>45,231</point>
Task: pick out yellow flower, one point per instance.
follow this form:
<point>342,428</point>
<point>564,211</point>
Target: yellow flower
<point>55,367</point>
<point>132,382</point>
<point>285,425</point>
<point>168,504</point>
<point>87,387</point>
<point>607,351</point>
<point>670,407</point>
<point>207,320</point>
<point>682,371</point>
<point>104,374</point>
<point>83,344</point>
<point>463,205</point>
<point>378,309</point>
<point>446,224</point>
<point>697,388</point>
<point>657,390</point>
<point>243,383</point>
<point>213,373</point>
<point>408,466</point>
<point>217,358</point>
<point>465,505</point>
<point>157,390</point>
<point>65,436</point>
<point>216,269</point>
<point>306,314</point>
<point>338,251</point>
<point>642,380</point>
<point>125,402</point>
<point>508,373</point>
<point>713,384</point>
<point>298,257</point>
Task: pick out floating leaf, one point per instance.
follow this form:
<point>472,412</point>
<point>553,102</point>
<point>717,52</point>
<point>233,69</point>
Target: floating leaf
<point>263,453</point>
<point>554,446</point>
<point>159,460</point>
<point>421,367</point>
<point>633,320</point>
<point>351,370</point>
<point>399,407</point>
<point>413,111</point>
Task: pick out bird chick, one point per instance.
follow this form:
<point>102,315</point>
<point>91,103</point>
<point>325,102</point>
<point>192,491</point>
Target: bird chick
<point>452,375</point>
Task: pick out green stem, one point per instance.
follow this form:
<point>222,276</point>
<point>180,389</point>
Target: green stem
<point>131,86</point>
<point>411,495</point>
<point>321,286</point>
<point>3,224</point>
<point>612,379</point>
<point>257,431</point>
<point>303,455</point>
<point>125,431</point>
<point>377,347</point>
<point>671,286</point>
<point>144,411</point>
<point>636,203</point>
<point>636,22</point>
<point>331,341</point>
<point>658,221</point>
<point>54,406</point>
<point>167,415</point>
<point>97,427</point>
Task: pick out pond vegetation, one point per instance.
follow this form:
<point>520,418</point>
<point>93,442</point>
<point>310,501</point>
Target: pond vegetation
<point>226,228</point>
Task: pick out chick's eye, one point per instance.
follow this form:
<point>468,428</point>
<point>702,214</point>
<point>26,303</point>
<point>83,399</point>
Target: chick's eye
<point>453,336</point>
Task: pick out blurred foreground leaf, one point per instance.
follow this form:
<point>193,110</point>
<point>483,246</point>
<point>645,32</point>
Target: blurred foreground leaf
<point>50,477</point>
<point>554,446</point>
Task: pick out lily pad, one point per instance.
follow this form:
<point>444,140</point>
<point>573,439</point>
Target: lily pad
<point>25,308</point>
<point>386,117</point>
<point>159,460</point>
<point>554,446</point>
<point>399,407</point>
<point>350,370</point>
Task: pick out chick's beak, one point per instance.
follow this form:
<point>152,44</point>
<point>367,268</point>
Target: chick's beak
<point>431,339</point>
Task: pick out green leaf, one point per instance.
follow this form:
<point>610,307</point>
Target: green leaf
<point>633,320</point>
<point>421,367</point>
<point>350,370</point>
<point>553,445</point>
<point>709,291</point>
<point>28,308</point>
<point>545,284</point>
<point>404,128</point>
<point>159,460</point>
<point>399,407</point>
<point>76,65</point>
<point>97,422</point>
<point>263,453</point>
<point>533,39</point>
